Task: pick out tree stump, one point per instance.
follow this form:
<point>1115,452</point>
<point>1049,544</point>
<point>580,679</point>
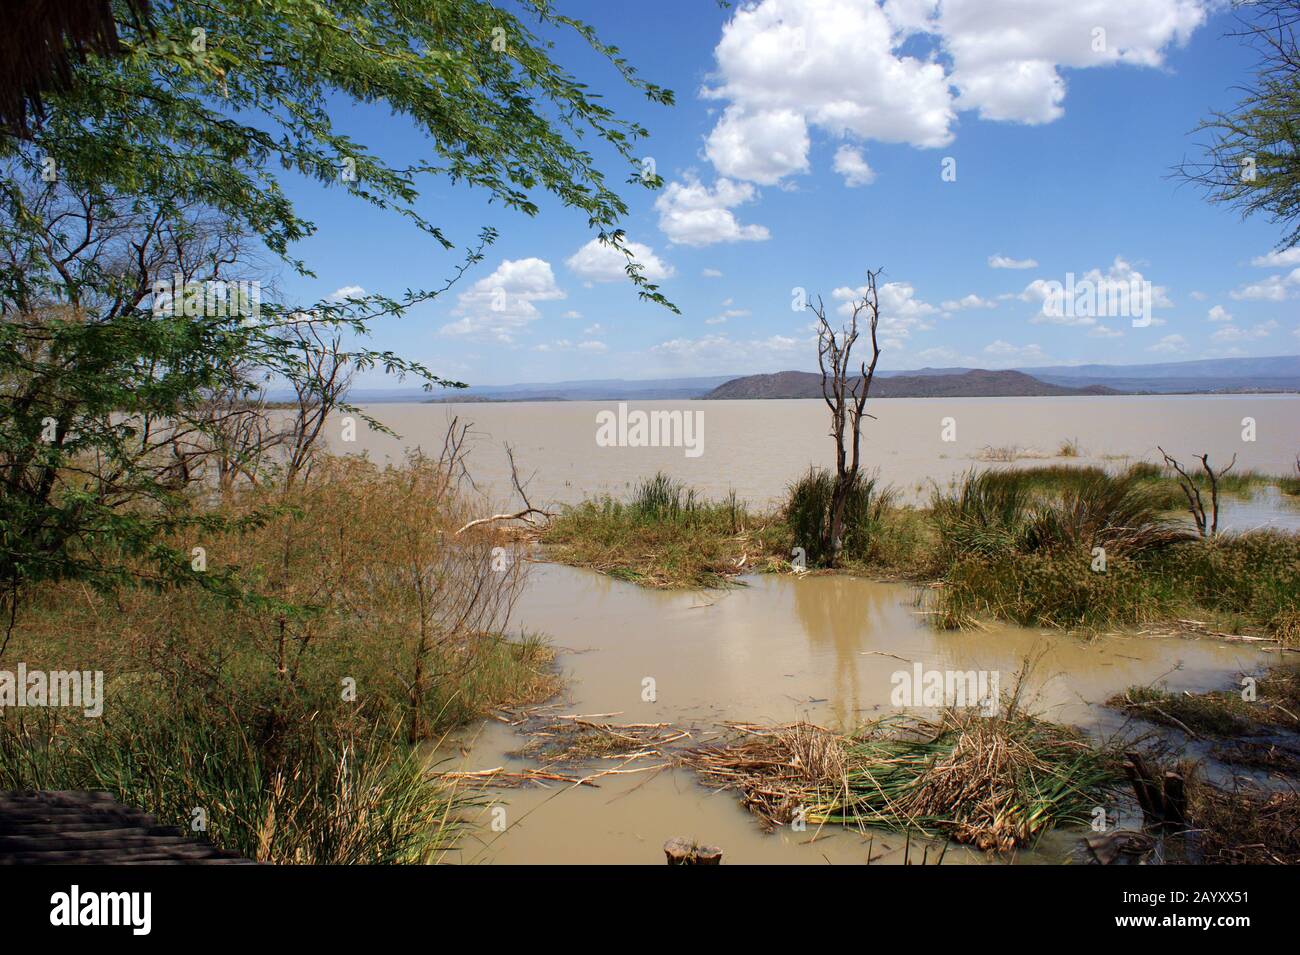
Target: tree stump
<point>687,852</point>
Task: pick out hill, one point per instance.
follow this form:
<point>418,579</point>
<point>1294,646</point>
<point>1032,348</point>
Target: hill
<point>970,384</point>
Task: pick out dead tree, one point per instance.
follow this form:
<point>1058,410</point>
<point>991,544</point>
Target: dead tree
<point>324,380</point>
<point>846,397</point>
<point>1206,525</point>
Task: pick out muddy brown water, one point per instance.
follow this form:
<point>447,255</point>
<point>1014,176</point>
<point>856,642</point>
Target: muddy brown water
<point>756,448</point>
<point>780,649</point>
<point>785,648</point>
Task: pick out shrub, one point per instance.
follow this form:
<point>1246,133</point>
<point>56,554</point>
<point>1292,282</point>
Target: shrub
<point>807,513</point>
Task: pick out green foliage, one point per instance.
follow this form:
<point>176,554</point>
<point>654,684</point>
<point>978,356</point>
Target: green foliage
<point>1252,158</point>
<point>168,161</point>
<point>340,797</point>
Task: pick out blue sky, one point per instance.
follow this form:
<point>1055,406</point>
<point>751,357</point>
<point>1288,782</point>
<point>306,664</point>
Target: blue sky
<point>807,145</point>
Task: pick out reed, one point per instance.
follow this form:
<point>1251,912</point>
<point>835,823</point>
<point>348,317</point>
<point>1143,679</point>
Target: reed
<point>993,782</point>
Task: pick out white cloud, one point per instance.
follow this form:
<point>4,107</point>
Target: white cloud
<point>852,165</point>
<point>1219,314</point>
<point>721,318</point>
<point>1005,262</point>
<point>596,329</point>
<point>1232,333</point>
<point>1116,285</point>
<point>785,66</point>
<point>711,274</point>
<point>1275,288</point>
<point>1278,260</point>
<point>1104,331</point>
<point>498,305</point>
<point>965,302</point>
<point>1003,354</point>
<point>593,346</point>
<point>598,262</point>
<point>939,356</point>
<point>788,64</point>
<point>690,213</point>
<point>572,313</point>
<point>710,352</point>
<point>762,147</point>
<point>901,312</point>
<point>347,292</point>
<point>1169,345</point>
<point>1006,54</point>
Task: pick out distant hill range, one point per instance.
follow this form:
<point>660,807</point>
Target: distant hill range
<point>1208,376</point>
<point>967,384</point>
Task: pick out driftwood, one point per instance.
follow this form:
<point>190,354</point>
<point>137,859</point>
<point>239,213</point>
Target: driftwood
<point>527,514</point>
<point>1163,798</point>
<point>686,852</point>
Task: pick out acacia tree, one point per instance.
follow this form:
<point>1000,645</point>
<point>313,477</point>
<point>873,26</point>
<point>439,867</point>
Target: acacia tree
<point>1252,157</point>
<point>845,394</point>
<point>194,121</point>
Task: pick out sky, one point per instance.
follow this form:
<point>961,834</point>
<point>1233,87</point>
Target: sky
<point>977,151</point>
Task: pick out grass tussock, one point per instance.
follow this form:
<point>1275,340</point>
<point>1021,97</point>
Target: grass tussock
<point>1022,546</point>
<point>995,783</point>
<point>666,535</point>
<point>865,534</point>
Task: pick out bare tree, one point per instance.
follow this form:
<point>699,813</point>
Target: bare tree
<point>325,379</point>
<point>1206,525</point>
<point>845,394</point>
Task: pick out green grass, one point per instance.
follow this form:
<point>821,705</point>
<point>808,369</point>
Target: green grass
<point>331,797</point>
<point>665,536</point>
<point>1008,544</point>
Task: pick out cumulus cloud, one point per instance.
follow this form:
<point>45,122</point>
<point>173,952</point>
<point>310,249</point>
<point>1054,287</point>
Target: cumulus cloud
<point>1169,345</point>
<point>1005,262</point>
<point>691,213</point>
<point>1219,314</point>
<point>761,147</point>
<point>1232,333</point>
<point>785,66</point>
<point>966,302</point>
<point>852,165</point>
<point>1278,260</point>
<point>1110,291</point>
<point>347,292</point>
<point>500,304</point>
<point>598,262</point>
<point>1007,54</point>
<point>711,352</point>
<point>1003,354</point>
<point>901,312</point>
<point>1275,288</point>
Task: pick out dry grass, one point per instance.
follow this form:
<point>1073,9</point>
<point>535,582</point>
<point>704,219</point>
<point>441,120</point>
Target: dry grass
<point>992,782</point>
<point>1245,825</point>
<point>1221,712</point>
